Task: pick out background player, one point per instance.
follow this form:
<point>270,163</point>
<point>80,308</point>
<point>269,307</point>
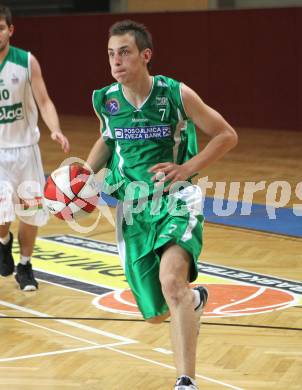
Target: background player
<point>21,171</point>
<point>147,133</point>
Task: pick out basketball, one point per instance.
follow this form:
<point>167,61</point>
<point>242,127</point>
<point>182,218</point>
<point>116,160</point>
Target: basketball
<point>71,192</point>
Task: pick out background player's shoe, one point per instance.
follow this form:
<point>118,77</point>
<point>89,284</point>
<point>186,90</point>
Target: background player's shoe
<point>7,265</point>
<point>204,295</point>
<point>185,383</point>
<point>25,277</point>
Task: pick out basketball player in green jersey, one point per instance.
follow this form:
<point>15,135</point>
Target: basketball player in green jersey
<point>21,171</point>
<point>148,142</point>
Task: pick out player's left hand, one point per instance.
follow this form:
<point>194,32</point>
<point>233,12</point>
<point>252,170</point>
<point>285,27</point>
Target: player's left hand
<point>169,172</point>
<point>61,139</point>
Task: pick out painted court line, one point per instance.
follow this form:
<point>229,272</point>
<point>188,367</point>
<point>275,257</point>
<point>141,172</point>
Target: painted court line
<point>59,352</point>
<point>58,332</point>
<point>69,323</point>
<point>163,350</point>
<point>124,340</point>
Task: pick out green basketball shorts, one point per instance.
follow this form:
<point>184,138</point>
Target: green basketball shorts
<point>143,231</point>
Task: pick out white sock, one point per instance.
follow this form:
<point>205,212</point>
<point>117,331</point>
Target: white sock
<point>5,240</point>
<point>196,298</point>
<point>24,259</point>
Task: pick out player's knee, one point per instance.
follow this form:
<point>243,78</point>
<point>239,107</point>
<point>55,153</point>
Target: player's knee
<point>173,289</point>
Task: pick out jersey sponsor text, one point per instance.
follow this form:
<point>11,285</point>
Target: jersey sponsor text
<point>11,113</point>
<point>146,132</point>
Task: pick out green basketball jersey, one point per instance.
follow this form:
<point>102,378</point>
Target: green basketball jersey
<point>140,137</point>
<point>18,111</point>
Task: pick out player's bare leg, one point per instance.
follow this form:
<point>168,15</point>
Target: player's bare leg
<point>27,236</point>
<point>4,230</point>
<point>174,270</point>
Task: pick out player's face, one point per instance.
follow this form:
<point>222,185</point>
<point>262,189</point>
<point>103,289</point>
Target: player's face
<point>5,33</point>
<point>126,62</point>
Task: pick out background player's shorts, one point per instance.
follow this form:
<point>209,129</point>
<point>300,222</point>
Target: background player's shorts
<point>21,186</point>
<point>177,220</point>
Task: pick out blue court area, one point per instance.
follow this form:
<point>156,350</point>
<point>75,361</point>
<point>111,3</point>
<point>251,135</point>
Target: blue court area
<point>268,219</point>
<point>246,215</point>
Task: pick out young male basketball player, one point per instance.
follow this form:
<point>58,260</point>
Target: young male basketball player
<point>21,172</point>
<point>149,143</point>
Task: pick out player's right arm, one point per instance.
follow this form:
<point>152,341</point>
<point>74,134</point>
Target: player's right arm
<point>101,150</point>
<point>99,155</point>
<point>46,106</point>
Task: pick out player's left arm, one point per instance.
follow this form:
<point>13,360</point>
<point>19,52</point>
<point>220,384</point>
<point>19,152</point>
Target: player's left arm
<point>223,136</point>
<point>223,139</point>
<point>46,106</point>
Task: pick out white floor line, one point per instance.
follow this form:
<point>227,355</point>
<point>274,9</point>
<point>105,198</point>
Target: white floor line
<point>173,368</point>
<point>68,322</point>
<point>58,332</point>
<point>59,352</point>
<point>114,336</point>
<point>163,350</point>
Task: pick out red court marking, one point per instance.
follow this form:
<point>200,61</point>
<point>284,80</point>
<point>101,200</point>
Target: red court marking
<point>225,300</point>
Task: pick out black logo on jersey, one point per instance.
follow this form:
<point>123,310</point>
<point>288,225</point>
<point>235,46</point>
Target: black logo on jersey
<point>112,106</point>
<point>12,113</point>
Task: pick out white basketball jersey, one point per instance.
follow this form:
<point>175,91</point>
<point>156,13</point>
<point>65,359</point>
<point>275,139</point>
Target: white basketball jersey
<point>18,110</point>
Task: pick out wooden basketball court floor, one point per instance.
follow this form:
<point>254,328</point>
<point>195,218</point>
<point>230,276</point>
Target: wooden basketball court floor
<point>82,347</point>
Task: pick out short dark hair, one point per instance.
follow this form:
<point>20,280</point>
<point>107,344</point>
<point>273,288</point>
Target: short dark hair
<point>6,14</point>
<point>142,36</point>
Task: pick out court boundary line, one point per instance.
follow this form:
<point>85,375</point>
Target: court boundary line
<point>54,331</point>
<point>58,352</point>
<point>250,326</point>
<point>68,322</point>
